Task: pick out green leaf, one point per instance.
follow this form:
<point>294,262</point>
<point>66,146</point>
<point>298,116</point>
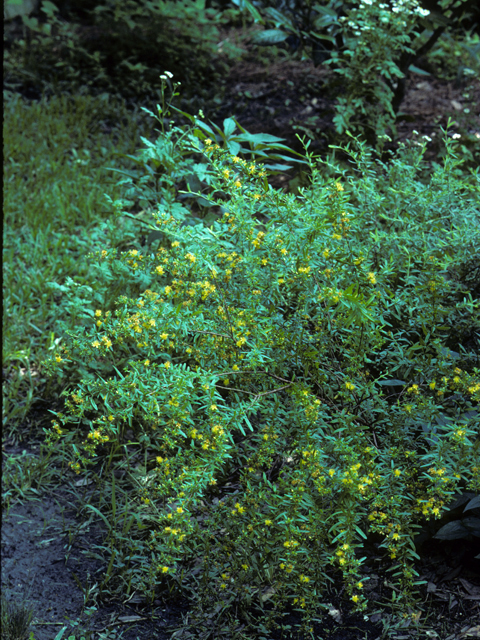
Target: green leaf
<point>459,529</point>
<point>473,504</point>
<point>417,70</point>
<point>59,635</point>
<point>270,36</point>
<point>246,4</point>
<point>258,138</point>
<point>229,126</point>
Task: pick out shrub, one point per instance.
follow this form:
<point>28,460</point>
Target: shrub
<point>292,381</point>
<point>370,45</point>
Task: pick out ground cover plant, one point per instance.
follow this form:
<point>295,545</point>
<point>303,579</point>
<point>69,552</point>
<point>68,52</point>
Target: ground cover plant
<point>55,210</point>
<point>294,379</point>
<point>401,319</point>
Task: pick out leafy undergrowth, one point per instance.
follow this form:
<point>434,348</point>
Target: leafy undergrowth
<point>297,375</point>
<point>275,396</point>
<point>56,155</point>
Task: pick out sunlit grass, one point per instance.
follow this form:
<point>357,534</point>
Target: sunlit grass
<point>55,182</point>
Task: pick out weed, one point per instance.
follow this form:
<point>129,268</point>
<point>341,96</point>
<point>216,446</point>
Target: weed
<point>16,620</point>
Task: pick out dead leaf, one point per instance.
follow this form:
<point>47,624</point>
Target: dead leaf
<point>452,574</point>
<point>472,590</point>
<point>431,587</point>
<point>336,614</point>
<point>456,105</point>
<point>269,593</point>
<point>473,632</point>
<point>83,482</point>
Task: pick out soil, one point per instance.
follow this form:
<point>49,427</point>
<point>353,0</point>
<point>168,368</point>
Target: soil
<point>51,560</point>
<point>48,552</point>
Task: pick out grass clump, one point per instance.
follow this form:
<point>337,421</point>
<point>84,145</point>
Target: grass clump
<point>16,620</point>
<point>294,379</point>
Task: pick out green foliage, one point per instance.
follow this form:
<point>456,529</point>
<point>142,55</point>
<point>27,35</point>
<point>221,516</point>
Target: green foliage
<point>290,381</point>
<point>371,46</point>
<point>172,172</point>
<point>16,620</point>
<point>119,48</point>
<point>23,474</point>
<point>55,212</point>
<point>456,58</point>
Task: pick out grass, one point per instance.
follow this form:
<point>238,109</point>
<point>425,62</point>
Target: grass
<point>55,182</point>
<point>16,620</point>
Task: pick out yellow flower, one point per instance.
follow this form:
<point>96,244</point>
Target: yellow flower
<point>164,569</point>
<point>111,418</point>
<point>208,142</point>
<point>238,184</point>
<point>98,313</point>
<point>371,277</point>
<point>268,522</point>
<point>164,336</point>
<point>432,385</point>
<point>245,567</point>
<point>355,599</point>
<point>159,270</point>
<point>166,365</point>
<point>96,344</point>
<point>179,510</point>
<point>339,187</point>
<point>349,386</point>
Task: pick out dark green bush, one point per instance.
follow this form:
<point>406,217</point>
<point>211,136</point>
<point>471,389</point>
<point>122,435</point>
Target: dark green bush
<point>119,48</point>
